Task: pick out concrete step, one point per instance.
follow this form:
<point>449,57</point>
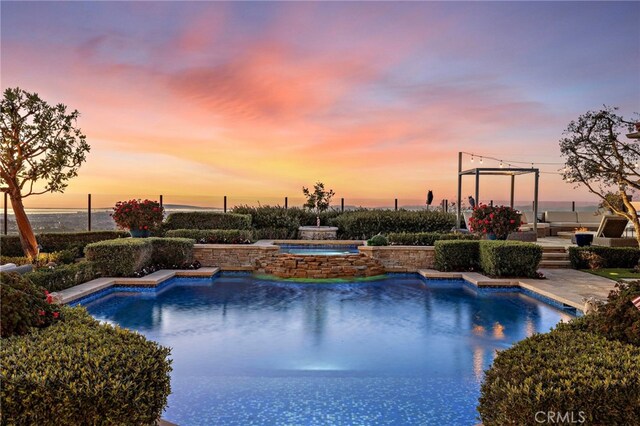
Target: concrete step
<point>555,256</point>
<point>555,264</point>
<point>558,249</point>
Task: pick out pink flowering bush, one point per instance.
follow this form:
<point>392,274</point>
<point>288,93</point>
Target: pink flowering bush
<point>138,215</point>
<point>496,220</point>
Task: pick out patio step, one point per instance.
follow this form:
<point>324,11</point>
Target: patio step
<point>555,258</point>
<point>555,264</point>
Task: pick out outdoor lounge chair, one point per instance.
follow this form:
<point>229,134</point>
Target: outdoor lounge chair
<point>610,232</point>
<point>527,224</point>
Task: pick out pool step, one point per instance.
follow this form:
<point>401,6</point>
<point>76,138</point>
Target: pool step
<point>555,258</point>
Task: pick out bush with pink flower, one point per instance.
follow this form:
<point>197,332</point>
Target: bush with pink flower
<point>496,221</point>
<point>139,217</point>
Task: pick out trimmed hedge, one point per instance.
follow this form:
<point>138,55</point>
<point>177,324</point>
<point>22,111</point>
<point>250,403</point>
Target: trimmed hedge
<point>275,234</point>
<point>366,223</point>
<point>618,319</point>
<point>457,255</point>
<point>426,238</point>
<point>263,217</point>
<point>171,252</point>
<point>24,306</point>
<point>79,371</point>
<point>120,258</point>
<point>564,371</point>
<point>43,259</point>
<point>62,277</point>
<point>596,257</point>
<point>510,258</point>
<point>214,236</point>
<point>59,241</point>
<point>207,220</point>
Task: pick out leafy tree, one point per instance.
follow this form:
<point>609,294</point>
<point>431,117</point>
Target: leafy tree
<point>319,200</point>
<point>41,150</point>
<point>602,160</point>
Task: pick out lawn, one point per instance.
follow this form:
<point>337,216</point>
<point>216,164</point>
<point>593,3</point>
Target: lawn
<point>614,273</point>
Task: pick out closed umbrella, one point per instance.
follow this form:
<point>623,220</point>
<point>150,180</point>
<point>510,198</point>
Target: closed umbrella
<point>429,198</point>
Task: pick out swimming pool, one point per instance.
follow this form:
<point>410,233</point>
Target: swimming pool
<point>396,351</point>
<point>319,249</point>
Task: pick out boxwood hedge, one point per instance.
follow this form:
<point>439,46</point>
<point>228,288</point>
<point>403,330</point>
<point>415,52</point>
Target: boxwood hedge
<point>120,258</point>
<point>171,252</point>
<point>207,220</point>
<point>426,238</point>
<point>510,258</point>
<point>63,276</point>
<point>457,255</point>
<point>594,257</point>
<point>214,236</point>
<point>564,371</point>
<point>82,372</point>
<point>59,241</point>
<point>364,224</point>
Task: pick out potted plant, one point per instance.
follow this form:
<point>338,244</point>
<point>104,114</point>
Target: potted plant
<point>496,222</point>
<point>583,237</point>
<point>139,217</point>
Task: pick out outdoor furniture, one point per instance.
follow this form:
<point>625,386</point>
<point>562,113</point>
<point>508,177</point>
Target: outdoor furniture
<point>610,232</point>
<point>527,224</point>
<point>563,221</point>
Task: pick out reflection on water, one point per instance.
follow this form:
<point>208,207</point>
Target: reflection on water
<point>396,351</point>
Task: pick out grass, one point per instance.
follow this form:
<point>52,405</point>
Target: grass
<point>614,273</point>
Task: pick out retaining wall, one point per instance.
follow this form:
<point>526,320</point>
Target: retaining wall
<point>309,266</point>
<point>401,258</point>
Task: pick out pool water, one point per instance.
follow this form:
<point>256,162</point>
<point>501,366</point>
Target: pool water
<point>399,351</point>
<point>319,250</point>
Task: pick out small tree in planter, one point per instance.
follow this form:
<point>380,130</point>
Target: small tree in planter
<point>139,217</point>
<point>496,222</point>
<point>319,200</point>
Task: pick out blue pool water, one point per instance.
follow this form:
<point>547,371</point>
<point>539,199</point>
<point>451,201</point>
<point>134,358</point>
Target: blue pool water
<point>399,351</point>
<point>323,250</point>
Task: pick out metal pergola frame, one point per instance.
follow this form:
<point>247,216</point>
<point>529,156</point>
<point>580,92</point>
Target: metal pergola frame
<point>496,171</point>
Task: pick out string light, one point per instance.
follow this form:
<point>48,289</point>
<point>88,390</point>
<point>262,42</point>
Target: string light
<point>472,158</point>
<point>500,163</point>
<point>481,160</point>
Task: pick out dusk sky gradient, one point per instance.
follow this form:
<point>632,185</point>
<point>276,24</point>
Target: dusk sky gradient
<point>254,100</point>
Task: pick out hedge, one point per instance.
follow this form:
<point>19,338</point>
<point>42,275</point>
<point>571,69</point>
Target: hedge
<point>378,240</point>
<point>123,257</point>
<point>460,255</point>
<point>275,234</point>
<point>595,257</point>
<point>214,236</point>
<point>510,258</point>
<point>364,224</point>
<point>52,242</point>
<point>43,259</point>
<point>24,306</point>
<point>62,277</point>
<point>81,371</point>
<point>618,319</point>
<point>564,371</point>
<point>207,220</point>
<point>264,217</point>
<point>171,252</point>
<point>426,238</point>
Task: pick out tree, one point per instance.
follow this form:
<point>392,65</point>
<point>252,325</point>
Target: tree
<point>603,161</point>
<point>319,200</point>
<point>41,150</point>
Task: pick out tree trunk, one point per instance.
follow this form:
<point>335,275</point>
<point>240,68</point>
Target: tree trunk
<point>27,238</point>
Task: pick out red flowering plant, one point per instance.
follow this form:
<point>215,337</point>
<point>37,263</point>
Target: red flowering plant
<point>496,221</point>
<point>136,215</point>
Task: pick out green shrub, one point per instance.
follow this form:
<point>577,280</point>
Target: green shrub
<point>52,242</point>
<point>595,257</point>
<point>264,217</point>
<point>214,236</point>
<point>460,255</point>
<point>171,252</point>
<point>24,305</point>
<point>563,371</point>
<point>510,258</point>
<point>378,240</point>
<point>207,220</point>
<point>82,372</point>
<point>62,277</point>
<point>426,238</point>
<point>43,259</point>
<point>364,224</point>
<point>274,234</point>
<point>17,260</point>
<point>122,257</point>
<point>618,319</point>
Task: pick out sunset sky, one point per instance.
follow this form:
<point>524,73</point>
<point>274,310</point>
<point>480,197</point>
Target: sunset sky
<point>254,100</point>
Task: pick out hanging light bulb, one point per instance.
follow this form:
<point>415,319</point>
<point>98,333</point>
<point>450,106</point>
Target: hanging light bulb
<point>472,158</point>
<point>480,160</point>
<point>500,163</point>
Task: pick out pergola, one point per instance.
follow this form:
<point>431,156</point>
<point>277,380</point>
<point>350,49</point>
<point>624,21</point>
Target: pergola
<point>497,171</point>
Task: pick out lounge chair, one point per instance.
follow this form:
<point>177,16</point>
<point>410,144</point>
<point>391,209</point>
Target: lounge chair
<point>609,233</point>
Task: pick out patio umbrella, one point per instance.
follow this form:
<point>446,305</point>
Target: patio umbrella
<point>429,198</point>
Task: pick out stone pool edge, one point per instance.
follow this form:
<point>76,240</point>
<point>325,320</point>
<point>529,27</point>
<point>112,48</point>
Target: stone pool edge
<point>155,279</point>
